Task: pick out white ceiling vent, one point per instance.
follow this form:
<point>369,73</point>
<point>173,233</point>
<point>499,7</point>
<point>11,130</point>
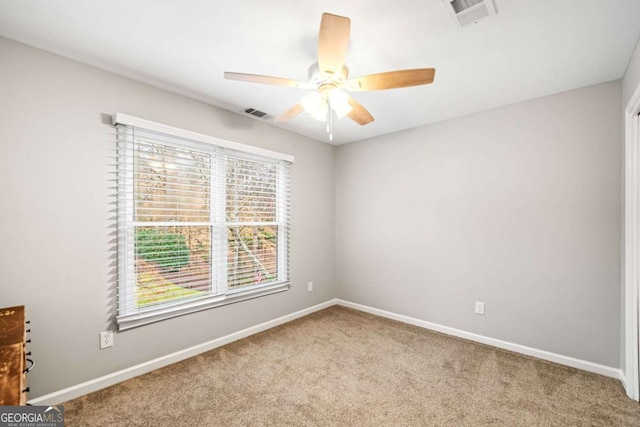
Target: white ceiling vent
<point>465,12</point>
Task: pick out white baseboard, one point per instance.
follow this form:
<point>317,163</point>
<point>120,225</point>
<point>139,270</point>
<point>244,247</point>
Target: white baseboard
<point>517,348</point>
<point>623,379</point>
<point>143,368</point>
<point>78,390</point>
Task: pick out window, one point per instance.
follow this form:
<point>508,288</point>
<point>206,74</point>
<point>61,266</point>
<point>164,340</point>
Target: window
<point>202,222</point>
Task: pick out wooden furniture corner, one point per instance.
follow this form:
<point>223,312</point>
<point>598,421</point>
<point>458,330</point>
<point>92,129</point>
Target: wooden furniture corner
<point>13,387</point>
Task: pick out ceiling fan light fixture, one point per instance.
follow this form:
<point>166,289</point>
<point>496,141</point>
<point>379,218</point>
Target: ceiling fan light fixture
<point>315,104</point>
<point>339,100</point>
<point>320,115</point>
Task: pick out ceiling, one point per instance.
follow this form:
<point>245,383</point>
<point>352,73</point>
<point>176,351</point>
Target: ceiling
<point>531,48</point>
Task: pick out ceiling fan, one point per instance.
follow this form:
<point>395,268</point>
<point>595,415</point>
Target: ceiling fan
<point>329,78</point>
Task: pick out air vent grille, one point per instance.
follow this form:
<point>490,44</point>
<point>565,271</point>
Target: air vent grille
<point>461,5</point>
<point>465,12</point>
<point>257,113</point>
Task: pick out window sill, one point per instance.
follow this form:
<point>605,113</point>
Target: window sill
<point>167,312</point>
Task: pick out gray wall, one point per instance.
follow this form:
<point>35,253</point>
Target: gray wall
<point>631,77</point>
<point>518,207</point>
<point>54,214</point>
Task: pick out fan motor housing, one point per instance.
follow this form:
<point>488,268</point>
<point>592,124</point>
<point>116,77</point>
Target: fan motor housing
<point>320,79</point>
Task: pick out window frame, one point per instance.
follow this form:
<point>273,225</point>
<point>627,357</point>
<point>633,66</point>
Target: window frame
<point>218,295</point>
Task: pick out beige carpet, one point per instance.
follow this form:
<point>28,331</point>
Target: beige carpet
<point>340,367</point>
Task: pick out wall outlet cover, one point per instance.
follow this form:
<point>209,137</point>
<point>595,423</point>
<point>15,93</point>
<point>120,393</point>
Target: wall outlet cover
<point>106,339</point>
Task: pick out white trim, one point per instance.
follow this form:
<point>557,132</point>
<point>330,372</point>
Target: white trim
<point>78,390</point>
<point>517,348</point>
<point>623,379</point>
<point>183,307</point>
<point>124,119</point>
<point>632,246</point>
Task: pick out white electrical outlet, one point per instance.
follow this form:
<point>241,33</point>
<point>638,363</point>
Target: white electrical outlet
<point>310,286</point>
<point>479,307</point>
<point>106,339</point>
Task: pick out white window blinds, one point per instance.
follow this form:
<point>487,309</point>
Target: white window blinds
<point>200,224</point>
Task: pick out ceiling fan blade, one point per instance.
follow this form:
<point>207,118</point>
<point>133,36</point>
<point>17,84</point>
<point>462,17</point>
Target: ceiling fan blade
<point>290,113</point>
<point>268,80</point>
<point>333,42</point>
<point>359,114</point>
<point>391,80</point>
